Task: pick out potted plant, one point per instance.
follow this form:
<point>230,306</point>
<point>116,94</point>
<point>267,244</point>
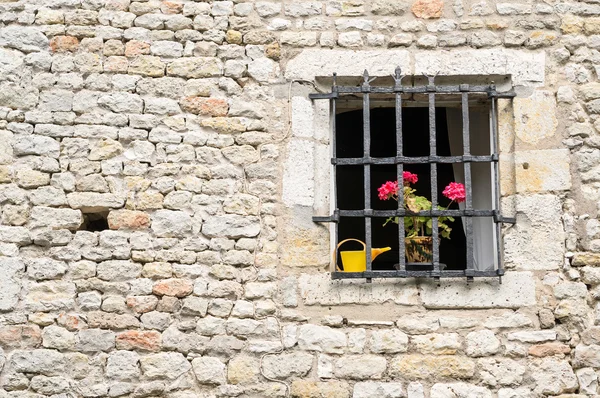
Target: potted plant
<point>418,229</point>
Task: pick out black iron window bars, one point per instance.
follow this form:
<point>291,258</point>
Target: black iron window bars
<point>430,90</point>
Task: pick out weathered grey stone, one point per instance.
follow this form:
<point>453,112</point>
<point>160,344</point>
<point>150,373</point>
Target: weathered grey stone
<point>166,365</point>
<point>553,376</point>
<point>40,361</point>
<point>503,371</point>
<point>26,39</point>
<point>481,343</point>
<point>10,282</point>
<point>388,342</point>
<point>123,365</point>
<point>231,226</point>
<point>118,270</point>
<point>437,343</point>
<point>459,390</point>
<point>367,389</point>
<point>58,338</point>
<point>36,145</point>
<point>283,366</point>
<point>94,340</point>
<point>168,223</point>
<point>209,370</point>
<point>50,296</point>
<point>360,367</point>
<point>533,336</point>
<point>321,338</point>
<point>517,290</point>
<point>45,268</point>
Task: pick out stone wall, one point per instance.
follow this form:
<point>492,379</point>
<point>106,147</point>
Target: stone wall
<point>186,125</point>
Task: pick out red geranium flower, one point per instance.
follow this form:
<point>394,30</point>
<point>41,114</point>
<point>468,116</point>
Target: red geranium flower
<point>409,178</point>
<point>455,191</point>
<point>388,190</point>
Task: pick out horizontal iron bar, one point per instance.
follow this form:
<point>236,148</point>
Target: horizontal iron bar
<point>425,89</point>
<point>415,274</point>
<point>414,160</point>
<point>504,220</point>
<point>425,213</point>
<point>314,96</point>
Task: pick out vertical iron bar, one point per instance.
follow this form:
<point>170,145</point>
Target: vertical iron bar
<point>468,184</point>
<point>367,167</point>
<point>400,168</point>
<point>497,200</point>
<point>334,169</point>
<point>433,166</point>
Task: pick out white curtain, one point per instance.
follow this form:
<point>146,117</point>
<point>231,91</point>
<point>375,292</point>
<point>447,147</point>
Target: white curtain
<point>481,179</point>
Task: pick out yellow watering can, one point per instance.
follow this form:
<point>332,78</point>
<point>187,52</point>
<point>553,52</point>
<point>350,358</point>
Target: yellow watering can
<point>356,260</point>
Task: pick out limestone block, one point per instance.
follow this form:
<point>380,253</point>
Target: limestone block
<point>388,341</point>
<point>418,324</point>
<point>171,224</point>
<point>17,97</point>
<point>534,336</point>
<point>58,338</point>
<point>588,381</point>
<point>242,370</point>
<point>482,343</point>
<point>525,67</point>
<point>321,338</point>
<point>587,355</point>
<point>283,366</point>
<point>459,390</point>
<point>437,343</point>
<point>92,201</point>
<point>36,145</point>
<point>231,226</point>
<point>522,392</point>
<point>552,376</point>
<point>26,39</point>
<point>320,289</point>
<point>165,365</point>
<point>311,63</point>
<point>517,290</point>
<point>123,365</point>
<point>50,296</point>
<point>195,68</point>
<point>45,268</point>
<point>360,367</point>
<point>542,170</point>
<point>42,361</point>
<point>118,270</point>
<point>310,389</point>
<point>426,367</point>
<point>10,282</point>
<point>55,218</point>
<point>298,174</point>
<point>209,370</point>
<point>535,117</point>
<point>95,340</point>
<point>368,389</point>
<point>508,319</point>
<point>501,371</point>
<point>537,240</point>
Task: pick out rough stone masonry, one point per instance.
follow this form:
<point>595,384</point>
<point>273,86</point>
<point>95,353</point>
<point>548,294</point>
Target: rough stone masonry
<point>185,126</point>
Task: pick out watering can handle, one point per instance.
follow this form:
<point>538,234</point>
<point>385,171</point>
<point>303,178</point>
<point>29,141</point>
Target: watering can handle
<point>335,252</point>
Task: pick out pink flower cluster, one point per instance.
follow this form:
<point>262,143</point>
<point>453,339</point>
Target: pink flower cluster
<point>455,191</point>
<point>390,188</point>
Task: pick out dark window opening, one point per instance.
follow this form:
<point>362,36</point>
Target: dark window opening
<point>94,222</point>
<point>350,179</point>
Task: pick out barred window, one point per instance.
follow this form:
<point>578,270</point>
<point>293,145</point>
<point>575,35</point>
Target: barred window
<point>415,171</point>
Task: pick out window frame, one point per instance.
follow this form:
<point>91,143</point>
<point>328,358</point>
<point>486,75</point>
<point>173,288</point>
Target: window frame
<point>430,90</point>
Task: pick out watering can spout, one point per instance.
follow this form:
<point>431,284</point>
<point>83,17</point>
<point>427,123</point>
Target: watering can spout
<point>377,252</point>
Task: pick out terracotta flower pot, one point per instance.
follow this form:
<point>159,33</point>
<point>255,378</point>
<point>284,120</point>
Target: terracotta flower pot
<point>419,249</point>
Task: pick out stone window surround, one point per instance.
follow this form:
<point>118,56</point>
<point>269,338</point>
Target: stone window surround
<point>307,161</point>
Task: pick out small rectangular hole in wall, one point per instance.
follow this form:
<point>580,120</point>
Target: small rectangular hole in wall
<point>94,222</point>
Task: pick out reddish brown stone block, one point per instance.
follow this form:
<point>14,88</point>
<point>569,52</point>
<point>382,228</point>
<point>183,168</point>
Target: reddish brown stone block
<point>205,106</point>
<point>128,219</point>
<point>63,44</point>
<point>23,336</point>
<point>173,287</point>
<point>139,340</point>
<point>135,47</point>
<point>428,9</point>
<point>548,349</point>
